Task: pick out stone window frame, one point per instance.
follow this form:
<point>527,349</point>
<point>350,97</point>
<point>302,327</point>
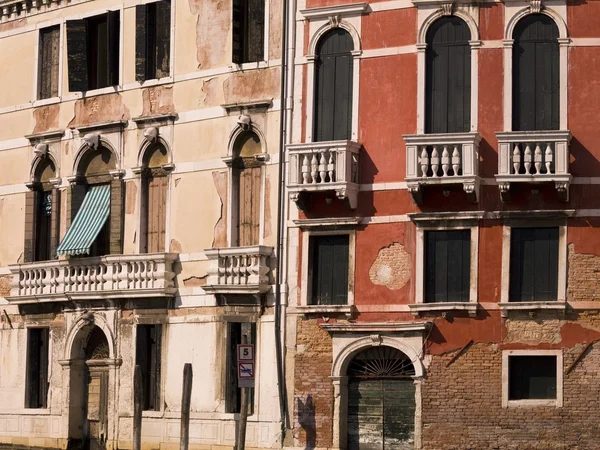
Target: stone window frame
<point>527,403</point>
<point>427,13</point>
<point>439,222</point>
<point>321,20</point>
<point>527,219</point>
<point>61,52</point>
<point>513,13</point>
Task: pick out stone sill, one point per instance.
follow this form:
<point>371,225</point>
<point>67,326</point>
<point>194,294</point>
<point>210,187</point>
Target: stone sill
<point>325,310</point>
<point>533,403</point>
<point>418,308</point>
<point>531,307</point>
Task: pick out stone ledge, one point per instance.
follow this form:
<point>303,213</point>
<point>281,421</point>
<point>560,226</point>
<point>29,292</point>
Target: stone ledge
<point>532,307</point>
<point>418,308</point>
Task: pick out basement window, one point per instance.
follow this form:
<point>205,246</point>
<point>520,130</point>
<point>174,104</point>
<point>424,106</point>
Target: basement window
<point>152,40</point>
<point>93,52</point>
<point>36,393</point>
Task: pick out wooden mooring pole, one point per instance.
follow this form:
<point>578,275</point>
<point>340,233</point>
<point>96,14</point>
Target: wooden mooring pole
<point>137,408</point>
<point>186,399</point>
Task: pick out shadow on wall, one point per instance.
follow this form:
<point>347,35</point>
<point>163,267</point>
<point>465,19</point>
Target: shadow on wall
<point>306,419</point>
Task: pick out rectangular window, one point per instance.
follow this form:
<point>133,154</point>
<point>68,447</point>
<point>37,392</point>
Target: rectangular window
<point>43,222</point>
<point>36,391</point>
<point>532,377</point>
<point>152,40</point>
<point>447,266</point>
<point>330,255</point>
<point>533,264</point>
<point>248,31</point>
<point>93,52</point>
<point>237,333</point>
<point>148,357</point>
<point>49,58</point>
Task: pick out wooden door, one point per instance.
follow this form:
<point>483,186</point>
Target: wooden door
<point>249,197</point>
<point>97,408</point>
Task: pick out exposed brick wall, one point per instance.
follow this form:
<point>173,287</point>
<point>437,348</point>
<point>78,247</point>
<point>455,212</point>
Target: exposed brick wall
<point>584,276</point>
<point>313,396</point>
<point>392,267</point>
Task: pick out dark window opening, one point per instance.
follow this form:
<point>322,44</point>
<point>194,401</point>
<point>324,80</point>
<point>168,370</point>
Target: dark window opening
<point>248,22</point>
<point>36,392</point>
<point>329,266</point>
<point>148,357</point>
<point>93,52</point>
<point>536,81</point>
<point>447,266</point>
<point>153,40</point>
<point>333,87</point>
<point>237,333</point>
<point>49,62</point>
<point>43,226</point>
<point>448,79</point>
<point>532,377</point>
<point>533,264</point>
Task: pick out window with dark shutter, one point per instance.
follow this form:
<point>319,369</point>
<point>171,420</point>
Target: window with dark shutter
<point>93,52</point>
<point>329,265</point>
<point>333,87</point>
<point>533,264</point>
<point>236,331</point>
<point>43,222</point>
<point>535,74</point>
<point>447,266</point>
<point>36,392</point>
<point>248,26</point>
<point>448,77</point>
<point>153,40</point>
<point>148,357</point>
<point>531,377</point>
<point>49,58</point>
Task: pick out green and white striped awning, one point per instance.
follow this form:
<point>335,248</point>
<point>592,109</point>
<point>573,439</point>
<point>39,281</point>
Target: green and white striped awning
<point>90,219</point>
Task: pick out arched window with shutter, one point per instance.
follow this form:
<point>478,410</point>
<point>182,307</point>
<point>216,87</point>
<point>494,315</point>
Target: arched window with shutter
<point>448,79</point>
<point>333,87</point>
<point>536,79</point>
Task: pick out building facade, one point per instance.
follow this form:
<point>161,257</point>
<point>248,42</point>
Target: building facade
<point>138,209</point>
<point>442,226</point>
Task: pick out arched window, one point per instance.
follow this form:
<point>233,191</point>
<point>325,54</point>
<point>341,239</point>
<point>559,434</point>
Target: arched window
<point>448,79</point>
<point>246,192</point>
<point>154,199</point>
<point>535,74</point>
<point>333,87</point>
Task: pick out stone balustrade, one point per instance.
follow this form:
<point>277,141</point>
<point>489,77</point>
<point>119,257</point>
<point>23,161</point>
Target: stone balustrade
<point>239,270</point>
<point>324,166</point>
<point>534,157</point>
<point>145,275</point>
<point>438,159</point>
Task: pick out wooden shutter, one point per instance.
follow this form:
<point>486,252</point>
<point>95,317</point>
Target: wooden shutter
<point>333,87</point>
<point>113,36</point>
<point>77,57</point>
<point>249,203</point>
<point>140,43</point>
<point>448,77</point>
<point>163,39</point>
<point>238,29</point>
<point>255,30</point>
<point>49,61</point>
<point>447,266</point>
<point>533,264</point>
<point>536,79</point>
<point>330,270</point>
<point>156,213</point>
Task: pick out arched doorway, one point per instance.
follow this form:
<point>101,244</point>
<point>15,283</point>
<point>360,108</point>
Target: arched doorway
<point>381,400</point>
<point>88,405</point>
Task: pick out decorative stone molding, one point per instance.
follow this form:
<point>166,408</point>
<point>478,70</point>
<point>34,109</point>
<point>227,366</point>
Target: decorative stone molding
<point>241,107</point>
<point>244,122</point>
<point>151,134</point>
<point>325,12</point>
<point>447,9</point>
<point>92,140</point>
<point>40,150</point>
<point>376,327</point>
<point>531,307</point>
<point>328,222</point>
<point>155,120</point>
<point>418,309</point>
<point>334,21</point>
<point>325,311</point>
<point>375,340</point>
<point>535,6</point>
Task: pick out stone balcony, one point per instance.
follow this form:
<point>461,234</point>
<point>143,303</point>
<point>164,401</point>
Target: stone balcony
<point>324,166</point>
<point>442,160</point>
<point>239,270</point>
<point>104,277</point>
<point>534,157</point>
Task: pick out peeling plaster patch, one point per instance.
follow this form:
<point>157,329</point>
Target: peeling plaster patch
<point>46,118</point>
<point>251,85</point>
<point>584,276</point>
<point>12,25</point>
<point>547,331</point>
<point>194,281</point>
<point>157,100</point>
<point>391,268</point>
<point>130,197</point>
<point>175,246</point>
<point>267,231</point>
<point>220,231</point>
<point>5,286</point>
<point>210,90</point>
<point>99,109</point>
<point>214,20</point>
<point>275,30</point>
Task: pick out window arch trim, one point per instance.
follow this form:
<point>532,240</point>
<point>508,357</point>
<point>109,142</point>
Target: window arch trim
<point>324,29</point>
